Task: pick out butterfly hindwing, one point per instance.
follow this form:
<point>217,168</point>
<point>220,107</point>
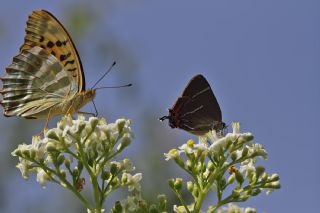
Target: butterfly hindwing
<point>35,82</point>
<point>45,31</point>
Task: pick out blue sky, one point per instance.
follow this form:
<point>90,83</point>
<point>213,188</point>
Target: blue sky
<point>260,57</point>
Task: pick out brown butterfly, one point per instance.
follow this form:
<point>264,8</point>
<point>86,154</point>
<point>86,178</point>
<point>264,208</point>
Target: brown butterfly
<point>197,110</point>
<point>46,78</point>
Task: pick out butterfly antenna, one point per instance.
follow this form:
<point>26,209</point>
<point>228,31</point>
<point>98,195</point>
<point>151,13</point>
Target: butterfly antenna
<point>111,87</point>
<point>113,64</point>
<point>95,109</point>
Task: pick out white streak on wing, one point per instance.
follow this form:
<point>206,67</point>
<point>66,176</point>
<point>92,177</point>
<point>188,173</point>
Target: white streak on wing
<point>202,91</point>
<point>193,111</point>
<point>189,127</point>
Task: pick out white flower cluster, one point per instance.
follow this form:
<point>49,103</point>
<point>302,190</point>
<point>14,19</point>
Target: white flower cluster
<point>93,137</point>
<point>232,208</point>
<point>213,143</point>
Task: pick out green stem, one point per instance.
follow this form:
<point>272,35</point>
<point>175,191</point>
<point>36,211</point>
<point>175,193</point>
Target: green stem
<point>92,174</point>
<point>68,185</point>
<point>199,201</point>
<point>181,200</point>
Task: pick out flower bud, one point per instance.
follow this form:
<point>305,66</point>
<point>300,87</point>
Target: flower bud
<point>115,182</point>
<point>233,156</point>
<point>231,148</point>
<point>211,166</point>
<point>63,173</point>
<point>113,168</point>
<point>244,198</point>
<point>105,175</point>
<point>239,177</point>
<point>171,183</point>
<point>117,207</point>
<point>245,151</point>
<point>162,202</point>
<point>250,210</point>
<point>52,134</point>
<point>273,185</point>
<point>231,178</point>
<point>248,137</point>
<point>50,147</point>
<point>178,184</point>
<point>274,177</point>
<point>256,192</point>
<point>80,165</point>
<point>33,154</point>
<point>189,165</point>
<point>223,182</point>
<point>75,172</point>
<point>259,171</point>
<point>190,186</point>
<point>195,191</point>
<point>93,122</point>
<point>60,159</point>
<point>120,124</point>
<point>124,143</point>
<point>67,163</point>
<point>253,179</point>
<point>124,179</point>
<point>264,177</point>
<point>199,167</point>
<point>235,193</point>
<point>16,152</point>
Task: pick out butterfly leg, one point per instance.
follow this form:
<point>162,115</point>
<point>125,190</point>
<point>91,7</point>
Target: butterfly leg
<point>88,113</point>
<point>47,121</point>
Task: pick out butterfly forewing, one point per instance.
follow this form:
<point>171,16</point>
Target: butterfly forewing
<point>45,31</point>
<point>201,100</point>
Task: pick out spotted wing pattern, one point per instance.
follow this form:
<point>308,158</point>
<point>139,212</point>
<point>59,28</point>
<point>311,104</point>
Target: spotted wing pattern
<point>45,31</point>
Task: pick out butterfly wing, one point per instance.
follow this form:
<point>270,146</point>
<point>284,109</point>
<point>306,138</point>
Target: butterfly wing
<point>35,82</point>
<point>197,110</point>
<point>47,71</point>
<point>45,31</point>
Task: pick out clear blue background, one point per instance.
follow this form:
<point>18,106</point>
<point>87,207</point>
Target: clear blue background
<point>260,57</point>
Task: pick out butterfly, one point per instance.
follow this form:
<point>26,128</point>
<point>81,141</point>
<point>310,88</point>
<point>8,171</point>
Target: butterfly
<point>46,78</point>
<point>197,110</point>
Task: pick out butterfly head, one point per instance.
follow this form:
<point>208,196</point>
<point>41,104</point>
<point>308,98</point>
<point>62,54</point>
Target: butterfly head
<point>173,119</point>
<point>89,94</point>
<point>82,99</point>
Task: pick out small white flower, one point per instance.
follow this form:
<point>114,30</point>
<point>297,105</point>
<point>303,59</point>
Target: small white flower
<point>39,146</point>
<point>187,148</point>
<point>231,208</point>
<point>218,145</point>
<point>248,165</point>
<point>42,177</point>
<point>236,127</point>
<point>89,211</point>
<point>172,154</point>
<point>133,181</point>
<point>258,149</point>
<point>24,166</point>
<point>213,136</point>
<point>202,146</point>
<point>127,165</point>
<point>130,203</point>
<point>182,209</point>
